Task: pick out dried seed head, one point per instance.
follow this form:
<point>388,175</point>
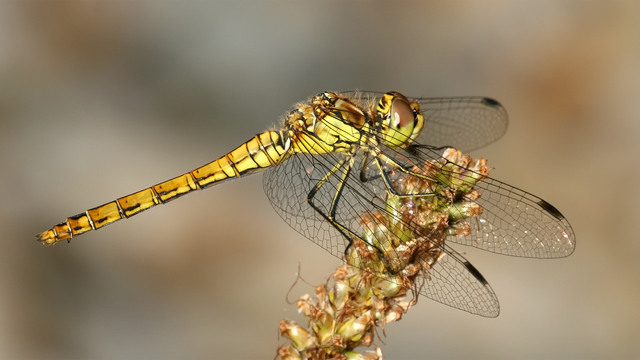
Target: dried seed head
<point>390,260</point>
<point>300,338</point>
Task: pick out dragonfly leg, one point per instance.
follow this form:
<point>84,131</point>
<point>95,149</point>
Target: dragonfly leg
<point>343,167</point>
<point>384,175</point>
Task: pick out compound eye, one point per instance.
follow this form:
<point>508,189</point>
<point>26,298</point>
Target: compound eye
<point>401,114</point>
<point>400,120</point>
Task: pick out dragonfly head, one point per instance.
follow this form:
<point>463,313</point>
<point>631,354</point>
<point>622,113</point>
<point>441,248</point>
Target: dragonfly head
<point>401,120</point>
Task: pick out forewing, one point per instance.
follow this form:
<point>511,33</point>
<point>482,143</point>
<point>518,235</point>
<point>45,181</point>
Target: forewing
<point>466,123</point>
<point>517,223</point>
<point>513,221</point>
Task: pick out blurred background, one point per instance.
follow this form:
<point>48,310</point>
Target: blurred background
<point>101,99</point>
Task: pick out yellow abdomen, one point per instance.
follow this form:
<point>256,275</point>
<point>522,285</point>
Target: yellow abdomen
<point>262,151</point>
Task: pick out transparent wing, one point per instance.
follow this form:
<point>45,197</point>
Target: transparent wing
<point>287,186</point>
<point>513,222</point>
<point>466,123</point>
<point>451,281</point>
<point>455,282</point>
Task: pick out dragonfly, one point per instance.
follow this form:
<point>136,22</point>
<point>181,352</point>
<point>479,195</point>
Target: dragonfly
<point>330,162</point>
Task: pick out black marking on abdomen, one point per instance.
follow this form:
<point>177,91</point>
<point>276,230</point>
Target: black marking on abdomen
<point>101,220</point>
<point>132,207</point>
<point>77,217</point>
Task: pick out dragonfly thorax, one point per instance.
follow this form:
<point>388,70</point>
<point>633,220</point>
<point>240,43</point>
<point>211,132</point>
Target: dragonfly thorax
<point>329,123</point>
<point>332,122</point>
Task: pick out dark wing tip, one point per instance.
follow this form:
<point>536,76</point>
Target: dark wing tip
<point>491,311</point>
<point>491,102</point>
<point>551,209</point>
<point>476,273</point>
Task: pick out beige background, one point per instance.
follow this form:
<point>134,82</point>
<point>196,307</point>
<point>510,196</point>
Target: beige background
<point>100,99</point>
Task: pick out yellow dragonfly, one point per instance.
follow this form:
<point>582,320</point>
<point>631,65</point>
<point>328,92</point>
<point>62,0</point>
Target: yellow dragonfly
<point>332,160</point>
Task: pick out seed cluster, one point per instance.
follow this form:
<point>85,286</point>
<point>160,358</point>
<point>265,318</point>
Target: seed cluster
<point>389,262</point>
